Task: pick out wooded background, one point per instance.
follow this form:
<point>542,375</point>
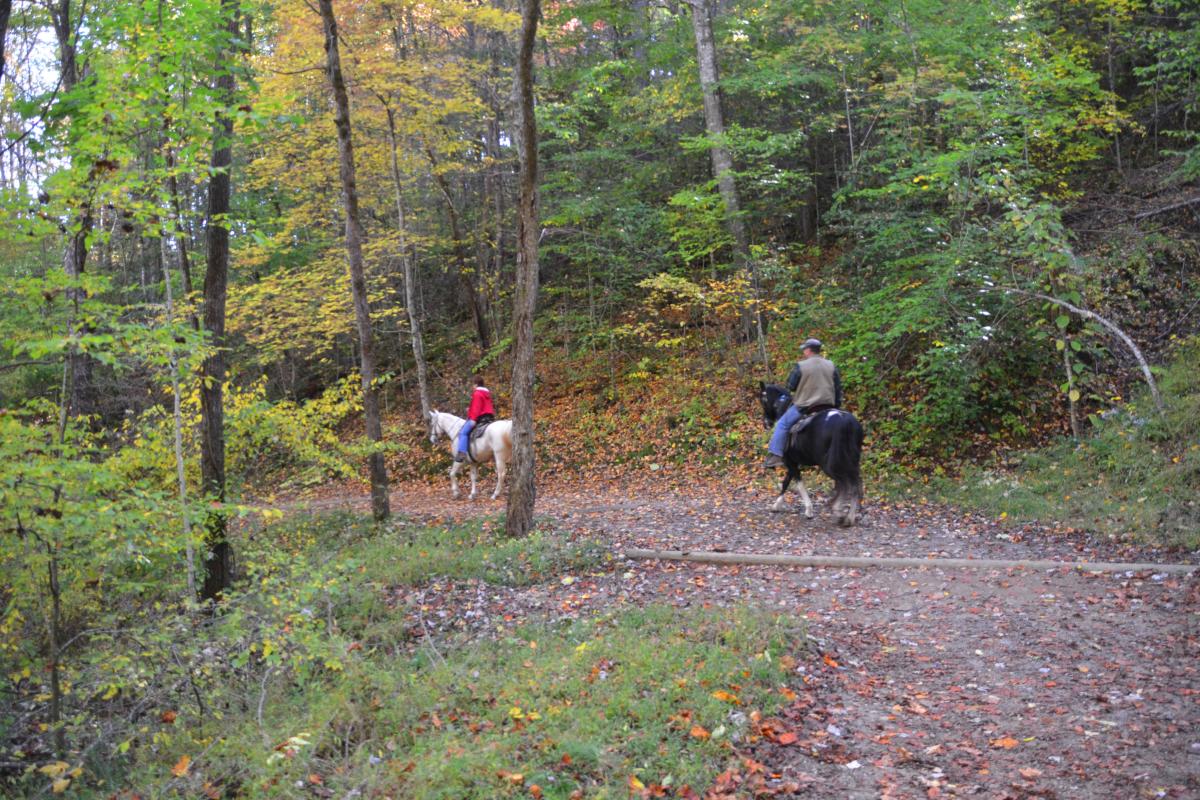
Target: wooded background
<point>988,211</point>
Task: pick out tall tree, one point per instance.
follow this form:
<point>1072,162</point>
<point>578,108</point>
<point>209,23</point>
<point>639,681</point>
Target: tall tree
<point>5,12</point>
<point>218,566</point>
<point>354,257</point>
<point>522,490</point>
<point>410,276</point>
<point>722,161</point>
<point>82,397</point>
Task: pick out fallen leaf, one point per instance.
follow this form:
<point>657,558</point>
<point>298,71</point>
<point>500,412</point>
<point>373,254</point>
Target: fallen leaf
<point>699,732</point>
<point>788,737</point>
<point>181,766</point>
<point>1029,772</point>
<point>1006,743</point>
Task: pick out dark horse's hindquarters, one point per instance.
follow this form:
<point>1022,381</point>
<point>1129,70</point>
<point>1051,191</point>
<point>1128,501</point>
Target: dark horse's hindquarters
<point>832,441</point>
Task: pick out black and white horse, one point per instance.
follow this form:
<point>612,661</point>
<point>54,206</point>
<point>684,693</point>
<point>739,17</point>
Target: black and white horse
<point>831,441</point>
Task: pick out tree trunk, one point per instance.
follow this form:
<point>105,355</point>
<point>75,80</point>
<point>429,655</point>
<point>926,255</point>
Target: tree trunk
<point>5,12</point>
<point>177,422</point>
<point>722,163</point>
<point>522,490</point>
<point>466,277</point>
<point>410,278</point>
<point>354,257</point>
<point>218,563</point>
<point>1072,410</point>
<point>714,123</point>
<point>83,398</point>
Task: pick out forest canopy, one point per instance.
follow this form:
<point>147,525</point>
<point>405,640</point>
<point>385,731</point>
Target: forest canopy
<point>216,265</point>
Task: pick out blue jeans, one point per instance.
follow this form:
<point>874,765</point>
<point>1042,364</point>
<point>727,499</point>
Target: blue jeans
<point>779,435</point>
<point>464,435</point>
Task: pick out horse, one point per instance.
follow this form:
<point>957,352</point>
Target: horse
<point>832,440</point>
<point>495,442</point>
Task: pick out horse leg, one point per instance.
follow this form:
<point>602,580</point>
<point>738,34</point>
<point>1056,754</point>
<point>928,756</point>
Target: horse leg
<point>804,498</point>
<point>454,468</point>
<point>855,493</point>
<point>500,469</point>
<point>474,481</point>
<point>787,479</point>
<point>841,501</point>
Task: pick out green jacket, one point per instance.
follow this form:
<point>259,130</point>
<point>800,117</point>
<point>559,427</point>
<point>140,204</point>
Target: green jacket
<point>815,382</point>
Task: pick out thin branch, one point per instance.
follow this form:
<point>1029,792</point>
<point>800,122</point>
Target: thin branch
<point>1092,315</point>
<point>19,364</point>
<point>1172,207</point>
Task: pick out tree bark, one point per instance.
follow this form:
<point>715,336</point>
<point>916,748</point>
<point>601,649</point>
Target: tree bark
<point>218,563</point>
<point>522,490</point>
<point>410,278</point>
<point>83,398</point>
<point>466,277</point>
<point>722,162</point>
<point>177,423</point>
<point>858,562</point>
<point>5,13</point>
<point>354,258</point>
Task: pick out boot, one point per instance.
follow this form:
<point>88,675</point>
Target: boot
<point>772,461</point>
<point>460,456</point>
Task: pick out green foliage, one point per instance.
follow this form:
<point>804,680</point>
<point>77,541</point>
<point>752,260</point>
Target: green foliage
<point>325,678</point>
<point>1135,476</point>
<point>299,443</point>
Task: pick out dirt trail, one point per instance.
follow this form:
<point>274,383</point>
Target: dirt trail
<point>929,682</point>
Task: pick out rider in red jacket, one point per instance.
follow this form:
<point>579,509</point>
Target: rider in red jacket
<point>481,410</point>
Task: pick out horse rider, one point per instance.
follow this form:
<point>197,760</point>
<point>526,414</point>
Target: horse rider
<point>815,386</point>
<point>481,410</point>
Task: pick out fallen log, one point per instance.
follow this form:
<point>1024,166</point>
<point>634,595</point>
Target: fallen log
<point>771,559</point>
<point>1165,209</point>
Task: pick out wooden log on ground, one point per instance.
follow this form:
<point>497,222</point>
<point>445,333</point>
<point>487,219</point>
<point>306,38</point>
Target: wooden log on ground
<point>858,562</point>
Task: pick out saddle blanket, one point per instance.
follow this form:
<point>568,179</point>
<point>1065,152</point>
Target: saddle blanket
<point>802,423</point>
<point>481,425</point>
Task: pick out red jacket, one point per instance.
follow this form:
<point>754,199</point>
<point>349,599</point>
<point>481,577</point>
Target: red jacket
<point>481,403</point>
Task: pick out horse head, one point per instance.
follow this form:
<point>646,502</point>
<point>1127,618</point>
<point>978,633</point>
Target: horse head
<point>435,427</point>
<point>774,399</point>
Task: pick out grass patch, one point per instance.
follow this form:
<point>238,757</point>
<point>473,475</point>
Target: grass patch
<point>306,684</point>
<point>652,694</point>
<point>1135,477</point>
<point>406,552</point>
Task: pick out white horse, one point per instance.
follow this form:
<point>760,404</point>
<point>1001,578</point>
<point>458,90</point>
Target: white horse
<point>496,441</point>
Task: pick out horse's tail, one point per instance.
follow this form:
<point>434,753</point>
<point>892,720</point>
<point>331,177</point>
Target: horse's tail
<point>845,453</point>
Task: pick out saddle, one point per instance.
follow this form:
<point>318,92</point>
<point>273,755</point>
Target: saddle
<point>802,423</point>
<point>481,425</point>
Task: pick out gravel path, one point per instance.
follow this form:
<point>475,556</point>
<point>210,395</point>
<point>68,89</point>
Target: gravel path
<point>926,682</point>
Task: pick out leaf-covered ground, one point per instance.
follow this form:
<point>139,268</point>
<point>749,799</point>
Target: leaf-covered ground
<point>931,682</point>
